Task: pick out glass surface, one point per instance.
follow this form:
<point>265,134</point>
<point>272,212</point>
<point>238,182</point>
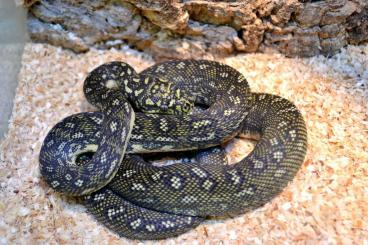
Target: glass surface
<point>12,39</point>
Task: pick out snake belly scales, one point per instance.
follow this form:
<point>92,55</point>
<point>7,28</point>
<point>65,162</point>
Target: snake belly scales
<point>156,111</point>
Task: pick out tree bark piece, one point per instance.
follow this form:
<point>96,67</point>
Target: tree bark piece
<point>171,29</point>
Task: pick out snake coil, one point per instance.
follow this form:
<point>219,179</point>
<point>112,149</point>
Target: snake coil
<point>85,154</point>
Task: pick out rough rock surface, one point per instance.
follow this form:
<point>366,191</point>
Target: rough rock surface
<point>201,28</point>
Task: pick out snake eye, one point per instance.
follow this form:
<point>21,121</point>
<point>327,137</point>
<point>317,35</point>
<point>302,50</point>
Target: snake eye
<point>186,107</point>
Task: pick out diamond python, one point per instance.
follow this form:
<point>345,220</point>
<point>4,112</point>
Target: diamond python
<point>83,154</point>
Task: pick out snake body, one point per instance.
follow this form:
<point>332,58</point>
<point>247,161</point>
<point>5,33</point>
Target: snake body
<point>142,201</point>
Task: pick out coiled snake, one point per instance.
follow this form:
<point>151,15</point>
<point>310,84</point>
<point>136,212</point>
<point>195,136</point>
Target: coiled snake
<point>83,154</point>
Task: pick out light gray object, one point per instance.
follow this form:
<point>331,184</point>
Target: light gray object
<point>12,39</point>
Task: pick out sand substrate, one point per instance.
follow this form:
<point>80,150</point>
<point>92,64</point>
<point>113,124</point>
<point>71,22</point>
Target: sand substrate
<point>327,202</point>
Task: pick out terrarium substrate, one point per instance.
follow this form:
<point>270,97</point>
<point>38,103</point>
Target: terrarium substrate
<point>325,203</point>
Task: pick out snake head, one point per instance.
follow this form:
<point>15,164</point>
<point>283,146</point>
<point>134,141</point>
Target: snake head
<point>180,106</point>
<point>164,97</point>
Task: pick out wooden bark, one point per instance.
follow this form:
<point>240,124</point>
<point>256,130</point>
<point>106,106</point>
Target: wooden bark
<point>197,29</point>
